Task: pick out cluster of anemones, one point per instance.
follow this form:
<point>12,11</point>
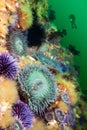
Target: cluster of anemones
<point>62,110</point>
<point>45,100</point>
<point>32,92</point>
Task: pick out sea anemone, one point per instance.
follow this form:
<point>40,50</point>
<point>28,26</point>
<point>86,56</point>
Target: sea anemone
<point>24,14</point>
<point>8,91</point>
<point>49,61</point>
<point>8,66</point>
<point>16,43</point>
<point>36,35</point>
<point>70,117</point>
<point>60,116</point>
<point>40,86</point>
<point>65,97</point>
<point>69,87</point>
<point>23,115</point>
<point>49,116</point>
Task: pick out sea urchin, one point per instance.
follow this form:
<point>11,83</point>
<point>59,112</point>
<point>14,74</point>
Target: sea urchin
<point>8,65</point>
<point>24,116</point>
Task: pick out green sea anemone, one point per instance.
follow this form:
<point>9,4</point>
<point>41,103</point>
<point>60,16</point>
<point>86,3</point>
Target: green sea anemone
<point>46,60</point>
<point>16,43</point>
<point>40,86</point>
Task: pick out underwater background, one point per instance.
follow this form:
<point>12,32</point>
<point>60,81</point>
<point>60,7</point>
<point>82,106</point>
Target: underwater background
<point>42,71</point>
<point>77,37</point>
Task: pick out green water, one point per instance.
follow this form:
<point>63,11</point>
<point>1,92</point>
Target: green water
<point>76,37</point>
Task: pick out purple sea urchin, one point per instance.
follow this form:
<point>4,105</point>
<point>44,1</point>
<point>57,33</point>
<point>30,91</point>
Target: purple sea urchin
<point>16,42</point>
<point>8,66</point>
<point>24,117</point>
<point>40,86</point>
